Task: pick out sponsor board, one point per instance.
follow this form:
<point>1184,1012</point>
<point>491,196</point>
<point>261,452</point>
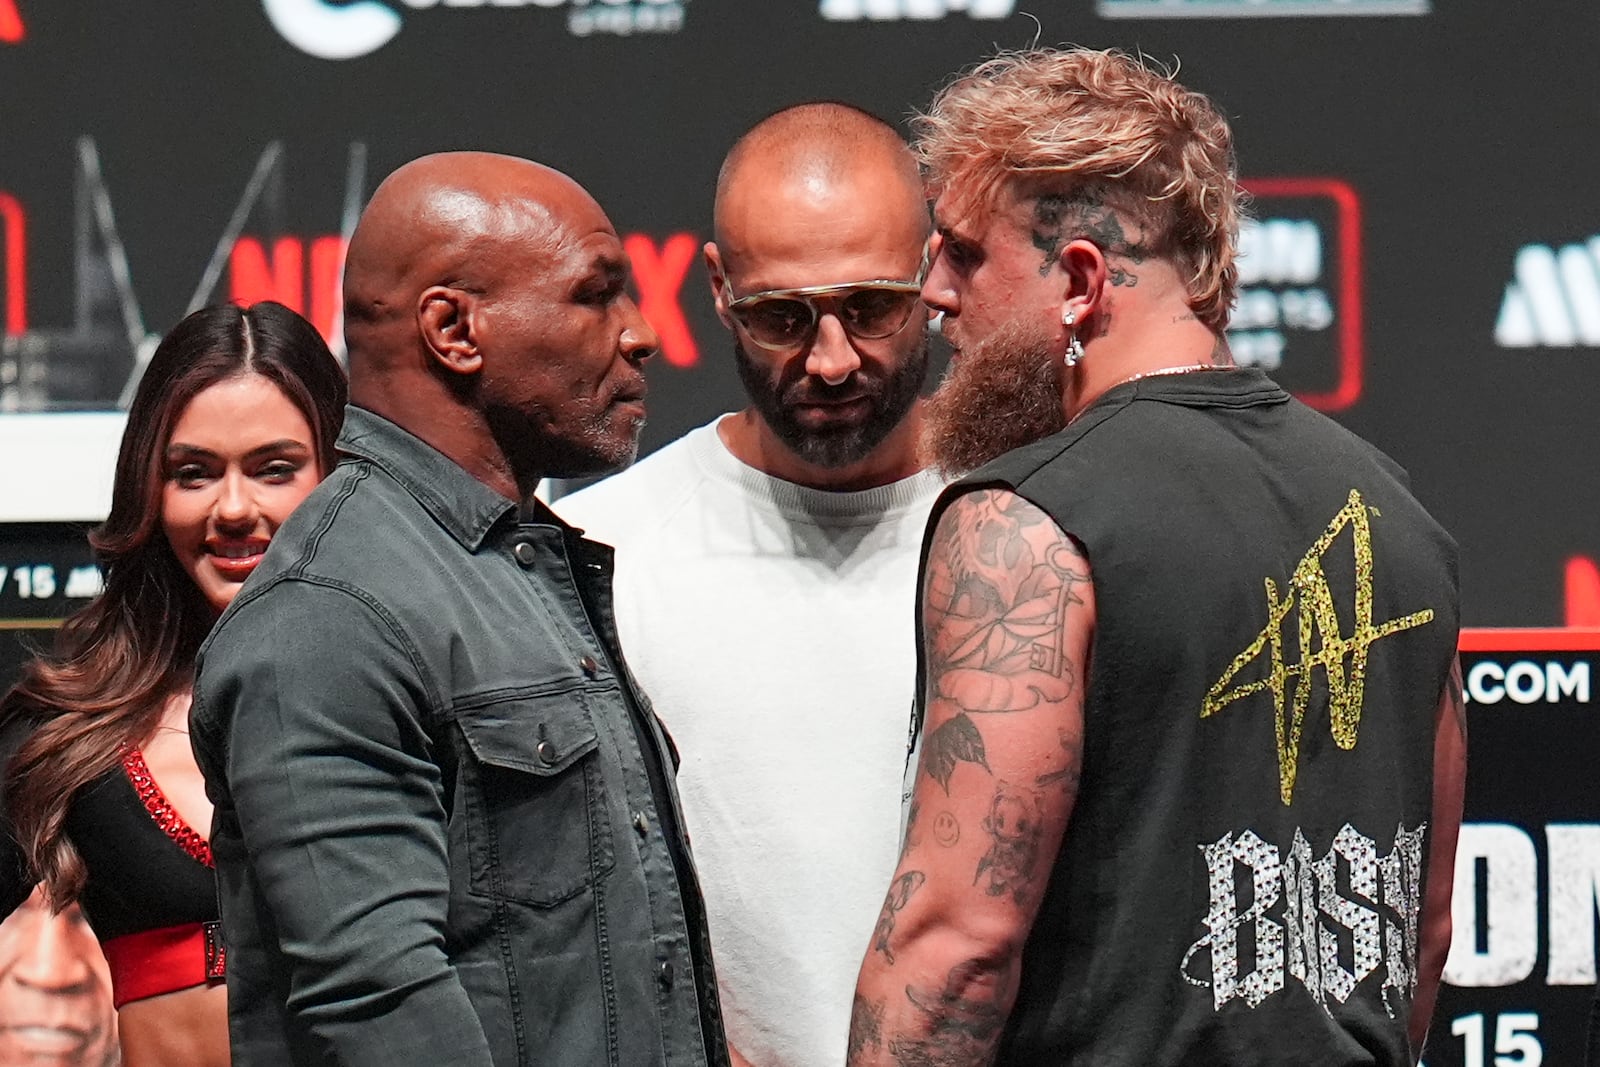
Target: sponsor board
<point>1299,308</point>
<point>337,31</point>
<point>1239,9</point>
<point>1522,966</point>
<point>1553,298</point>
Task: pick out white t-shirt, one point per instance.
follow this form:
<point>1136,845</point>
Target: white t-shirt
<point>771,626</point>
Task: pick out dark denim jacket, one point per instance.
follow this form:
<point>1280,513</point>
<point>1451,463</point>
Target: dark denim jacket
<point>446,830</point>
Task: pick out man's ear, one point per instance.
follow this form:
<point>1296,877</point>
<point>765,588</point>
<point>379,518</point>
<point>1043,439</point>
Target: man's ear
<point>445,323</point>
<point>1083,267</point>
<point>719,282</point>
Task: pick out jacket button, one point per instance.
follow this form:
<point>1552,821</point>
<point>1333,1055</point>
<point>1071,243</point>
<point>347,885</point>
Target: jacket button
<point>525,552</point>
<point>590,666</point>
<point>666,974</point>
<point>547,751</point>
<point>641,823</point>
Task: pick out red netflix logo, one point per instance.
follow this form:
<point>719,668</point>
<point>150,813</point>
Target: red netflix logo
<point>304,275</point>
<point>254,275</point>
<point>14,230</point>
<point>659,275</point>
<point>11,28</point>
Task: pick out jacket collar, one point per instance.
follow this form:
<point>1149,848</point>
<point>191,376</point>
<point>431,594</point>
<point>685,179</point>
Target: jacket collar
<point>460,503</point>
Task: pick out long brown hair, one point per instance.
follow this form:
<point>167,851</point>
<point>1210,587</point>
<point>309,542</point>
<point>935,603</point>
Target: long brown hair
<point>116,662</point>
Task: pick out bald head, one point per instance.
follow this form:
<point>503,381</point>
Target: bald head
<point>487,313</point>
<point>812,157</point>
<point>451,219</point>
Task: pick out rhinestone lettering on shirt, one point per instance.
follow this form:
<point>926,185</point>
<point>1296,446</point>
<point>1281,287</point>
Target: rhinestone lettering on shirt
<point>1305,926</point>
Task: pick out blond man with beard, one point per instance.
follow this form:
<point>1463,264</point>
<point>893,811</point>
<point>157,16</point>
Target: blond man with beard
<point>1227,836</point>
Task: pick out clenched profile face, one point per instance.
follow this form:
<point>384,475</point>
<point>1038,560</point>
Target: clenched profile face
<point>563,345</point>
<point>1004,386</point>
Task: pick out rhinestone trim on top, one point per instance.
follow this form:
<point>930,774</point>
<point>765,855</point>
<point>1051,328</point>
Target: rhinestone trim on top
<point>161,809</point>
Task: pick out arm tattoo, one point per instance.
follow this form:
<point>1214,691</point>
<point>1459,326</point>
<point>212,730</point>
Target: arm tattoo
<point>1000,582</point>
<point>956,741</point>
<point>866,1025</point>
<point>911,839</point>
<point>1014,824</point>
<point>1059,218</point>
<point>1067,777</point>
<point>964,1020</point>
<point>899,896</point>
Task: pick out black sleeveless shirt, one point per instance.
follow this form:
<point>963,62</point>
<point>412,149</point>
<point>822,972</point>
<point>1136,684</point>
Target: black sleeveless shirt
<point>1276,618</point>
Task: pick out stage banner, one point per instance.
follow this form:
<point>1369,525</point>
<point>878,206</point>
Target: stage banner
<point>1520,977</point>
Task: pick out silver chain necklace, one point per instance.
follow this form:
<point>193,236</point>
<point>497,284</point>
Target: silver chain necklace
<point>1186,368</point>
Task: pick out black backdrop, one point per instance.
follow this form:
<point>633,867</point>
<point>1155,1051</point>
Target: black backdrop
<point>1422,270</point>
<point>1463,134</point>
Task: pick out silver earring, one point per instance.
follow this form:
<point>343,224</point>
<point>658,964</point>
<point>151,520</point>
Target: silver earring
<point>1074,352</point>
<point>1074,346</point>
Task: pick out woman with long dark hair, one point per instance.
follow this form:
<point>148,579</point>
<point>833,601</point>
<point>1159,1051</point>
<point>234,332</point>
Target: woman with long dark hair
<point>233,424</point>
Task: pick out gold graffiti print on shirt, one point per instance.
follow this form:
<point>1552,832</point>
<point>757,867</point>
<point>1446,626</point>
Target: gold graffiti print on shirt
<point>1343,658</point>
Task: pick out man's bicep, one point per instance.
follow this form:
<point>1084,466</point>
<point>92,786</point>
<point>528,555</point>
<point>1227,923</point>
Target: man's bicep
<point>1008,612</point>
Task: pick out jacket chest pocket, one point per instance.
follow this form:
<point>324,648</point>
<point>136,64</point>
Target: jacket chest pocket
<point>538,825</point>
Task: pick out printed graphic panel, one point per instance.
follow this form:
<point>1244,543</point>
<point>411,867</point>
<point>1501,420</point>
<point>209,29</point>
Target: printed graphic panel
<point>1520,977</point>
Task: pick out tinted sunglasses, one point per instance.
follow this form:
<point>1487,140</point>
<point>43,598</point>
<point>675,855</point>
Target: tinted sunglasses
<point>778,319</point>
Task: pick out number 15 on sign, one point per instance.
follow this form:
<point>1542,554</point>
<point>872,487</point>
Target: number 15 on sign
<point>1516,1040</point>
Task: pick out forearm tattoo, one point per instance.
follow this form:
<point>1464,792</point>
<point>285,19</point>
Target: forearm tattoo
<point>866,1026</point>
<point>964,1020</point>
<point>894,902</point>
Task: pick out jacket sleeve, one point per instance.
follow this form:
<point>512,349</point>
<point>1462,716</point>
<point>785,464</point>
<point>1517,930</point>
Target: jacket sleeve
<point>309,722</point>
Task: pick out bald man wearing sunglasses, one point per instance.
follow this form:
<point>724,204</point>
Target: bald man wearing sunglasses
<point>766,569</point>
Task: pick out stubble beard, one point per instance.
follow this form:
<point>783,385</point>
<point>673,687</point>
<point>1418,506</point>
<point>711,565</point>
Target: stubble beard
<point>535,450</point>
<point>998,395</point>
<point>892,397</point>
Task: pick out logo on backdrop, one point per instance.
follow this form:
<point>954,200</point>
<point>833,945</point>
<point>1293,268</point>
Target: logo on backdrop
<point>1298,314</point>
<point>329,30</point>
<point>1233,9</point>
<point>11,29</point>
<point>895,10</point>
<point>1553,298</point>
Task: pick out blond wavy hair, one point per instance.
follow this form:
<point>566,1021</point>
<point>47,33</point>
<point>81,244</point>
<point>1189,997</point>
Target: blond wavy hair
<point>1102,126</point>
